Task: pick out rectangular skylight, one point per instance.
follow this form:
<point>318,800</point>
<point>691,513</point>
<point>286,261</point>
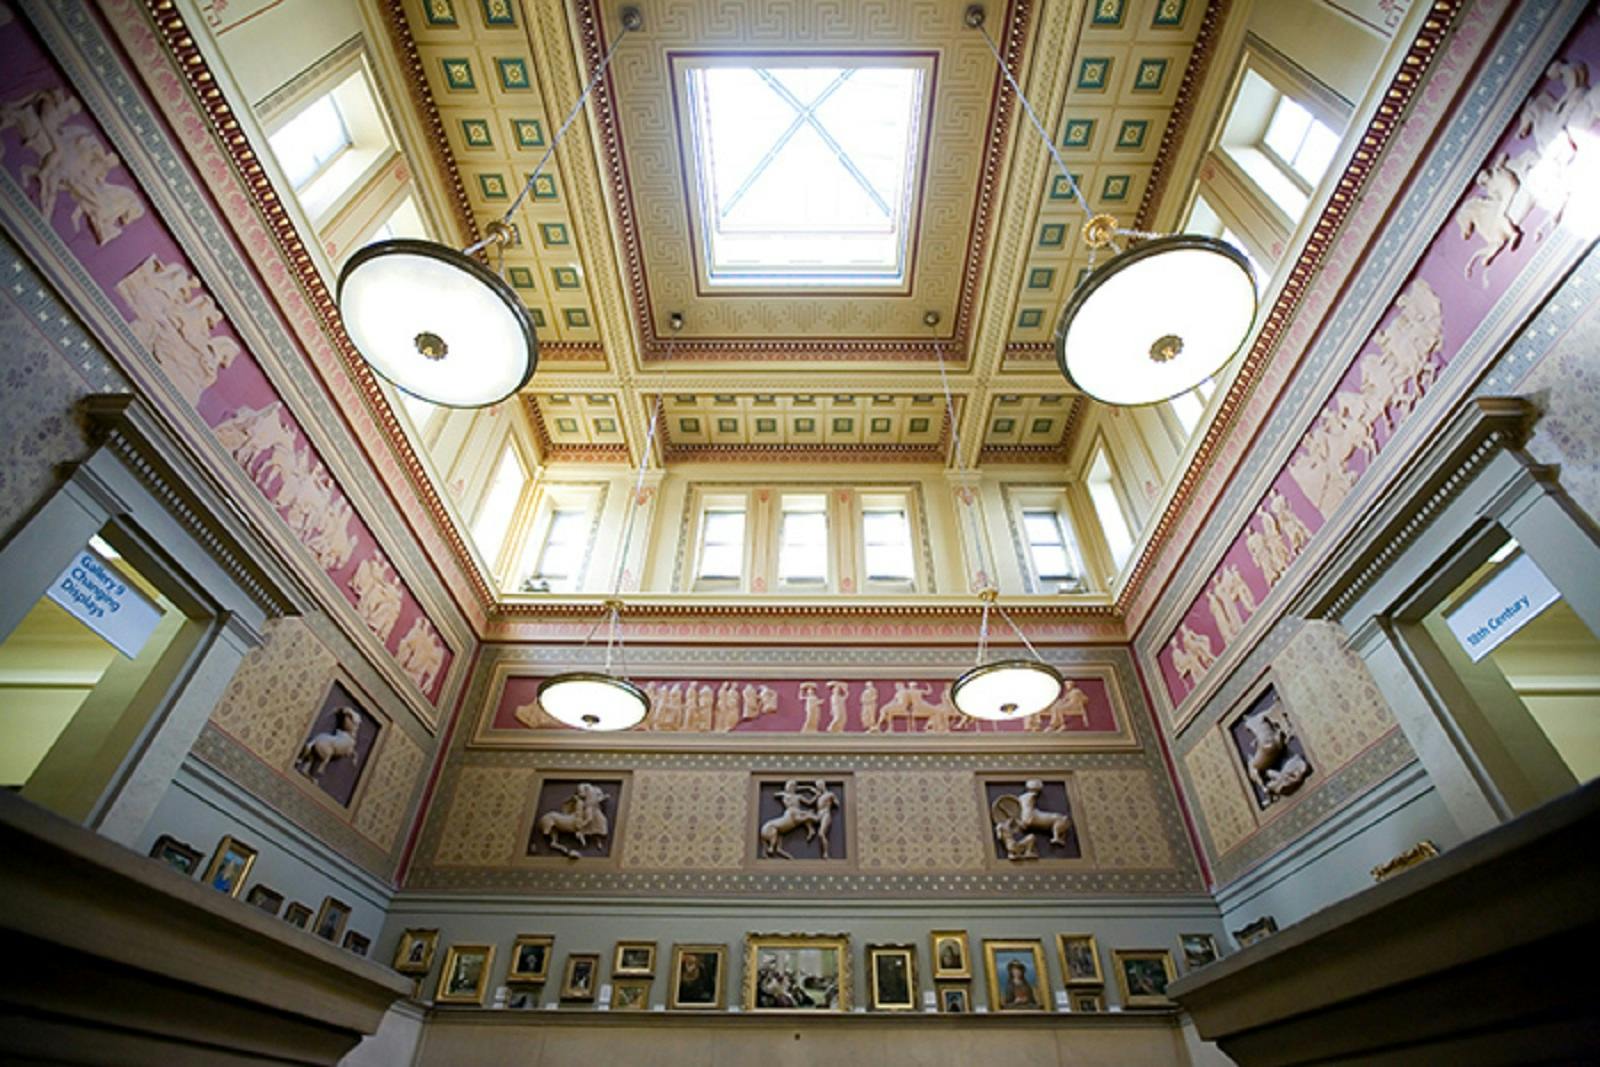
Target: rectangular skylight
<point>805,171</point>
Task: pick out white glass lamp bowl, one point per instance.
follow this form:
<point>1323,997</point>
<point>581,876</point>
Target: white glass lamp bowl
<point>1006,689</point>
<point>588,701</point>
<point>1157,320</point>
<point>436,323</point>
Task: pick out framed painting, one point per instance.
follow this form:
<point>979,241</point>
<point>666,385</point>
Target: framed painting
<point>268,900</point>
<point>1198,950</point>
<point>893,973</point>
<point>952,959</point>
<point>230,864</point>
<point>1142,975</point>
<point>299,915</point>
<point>530,958</point>
<point>796,973</point>
<point>1088,1000</point>
<point>360,944</point>
<point>953,999</point>
<point>177,855</point>
<point>697,977</point>
<point>331,918</point>
<point>414,953</point>
<point>1016,975</point>
<point>581,978</point>
<point>630,994</point>
<point>465,974</point>
<point>634,959</point>
<point>1080,959</point>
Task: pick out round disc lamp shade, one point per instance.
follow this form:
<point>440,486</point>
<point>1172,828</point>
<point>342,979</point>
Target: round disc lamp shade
<point>436,323</point>
<point>1007,689</point>
<point>593,701</point>
<point>1157,320</point>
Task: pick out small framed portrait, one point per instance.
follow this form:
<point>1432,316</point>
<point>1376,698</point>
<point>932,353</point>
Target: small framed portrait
<point>298,915</point>
<point>268,900</point>
<point>177,855</point>
<point>893,970</point>
<point>230,863</point>
<point>582,976</point>
<point>1198,950</point>
<point>951,956</point>
<point>1016,975</point>
<point>522,998</point>
<point>1080,959</point>
<point>1260,930</point>
<point>1088,1000</point>
<point>414,953</point>
<point>357,943</point>
<point>465,974</point>
<point>530,958</point>
<point>1142,975</point>
<point>331,918</point>
<point>796,973</point>
<point>630,994</point>
<point>953,999</point>
<point>634,959</point>
<point>697,977</point>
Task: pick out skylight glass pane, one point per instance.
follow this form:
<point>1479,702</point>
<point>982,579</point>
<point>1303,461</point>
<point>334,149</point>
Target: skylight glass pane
<point>1042,527</point>
<point>1287,129</point>
<point>1188,407</point>
<point>499,505</point>
<point>310,141</point>
<point>563,548</point>
<point>803,549</point>
<point>887,535</point>
<point>722,544</point>
<point>1051,561</point>
<point>806,172</point>
<point>1113,523</point>
<point>1316,152</point>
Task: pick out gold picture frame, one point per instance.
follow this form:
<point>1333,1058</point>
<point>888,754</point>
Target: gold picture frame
<point>1080,959</point>
<point>892,977</point>
<point>1087,1000</point>
<point>698,976</point>
<point>414,953</point>
<point>530,958</point>
<point>580,978</point>
<point>630,994</point>
<point>331,917</point>
<point>1144,985</point>
<point>1024,986</point>
<point>787,974</point>
<point>1199,950</point>
<point>952,955</point>
<point>465,974</point>
<point>954,998</point>
<point>634,959</point>
<point>230,865</point>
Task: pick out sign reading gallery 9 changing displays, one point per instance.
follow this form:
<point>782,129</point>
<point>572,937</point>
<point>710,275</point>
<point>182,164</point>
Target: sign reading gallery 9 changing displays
<point>1501,606</point>
<point>95,593</point>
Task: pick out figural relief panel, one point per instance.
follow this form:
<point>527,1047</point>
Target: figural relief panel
<point>686,819</point>
<point>920,820</point>
<point>1275,760</point>
<point>69,159</point>
<point>1031,818</point>
<point>576,819</point>
<point>1527,190</point>
<point>803,818</point>
<point>338,745</point>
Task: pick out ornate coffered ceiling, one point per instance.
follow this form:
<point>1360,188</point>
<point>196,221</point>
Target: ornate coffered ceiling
<point>607,250</point>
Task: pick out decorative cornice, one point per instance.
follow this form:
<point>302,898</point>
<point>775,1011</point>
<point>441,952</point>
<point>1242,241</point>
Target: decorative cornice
<point>658,349</point>
<point>228,131</point>
<point>1419,57</point>
<point>1205,47</point>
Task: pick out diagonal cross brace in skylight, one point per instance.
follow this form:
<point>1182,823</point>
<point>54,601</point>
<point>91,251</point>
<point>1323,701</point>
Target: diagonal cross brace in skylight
<point>805,173</point>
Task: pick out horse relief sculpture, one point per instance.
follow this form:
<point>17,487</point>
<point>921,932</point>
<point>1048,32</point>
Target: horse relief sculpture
<point>581,817</point>
<point>173,318</point>
<point>71,160</point>
<point>1273,767</point>
<point>1016,818</point>
<point>330,745</point>
<point>810,807</point>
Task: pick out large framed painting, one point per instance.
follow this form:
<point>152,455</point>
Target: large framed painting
<point>796,973</point>
<point>892,971</point>
<point>1016,975</point>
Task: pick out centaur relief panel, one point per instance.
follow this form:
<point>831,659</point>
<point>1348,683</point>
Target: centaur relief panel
<point>709,710</point>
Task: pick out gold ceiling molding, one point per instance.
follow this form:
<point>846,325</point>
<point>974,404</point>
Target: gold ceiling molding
<point>1385,121</point>
<point>644,164</point>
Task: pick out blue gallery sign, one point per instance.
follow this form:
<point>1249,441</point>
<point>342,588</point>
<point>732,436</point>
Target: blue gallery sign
<point>1501,606</point>
<point>97,595</point>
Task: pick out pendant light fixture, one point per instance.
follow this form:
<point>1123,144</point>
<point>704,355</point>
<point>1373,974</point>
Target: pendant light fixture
<point>1006,689</point>
<point>600,700</point>
<point>439,324</point>
<point>1158,318</point>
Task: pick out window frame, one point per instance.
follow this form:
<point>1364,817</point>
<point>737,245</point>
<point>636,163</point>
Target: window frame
<point>707,505</point>
<point>881,501</point>
<point>1119,495</point>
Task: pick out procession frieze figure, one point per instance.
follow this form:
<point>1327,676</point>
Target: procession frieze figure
<point>71,160</point>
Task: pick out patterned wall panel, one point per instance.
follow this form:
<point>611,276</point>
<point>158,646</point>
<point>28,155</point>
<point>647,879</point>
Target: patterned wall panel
<point>391,780</point>
<point>687,818</point>
<point>919,821</point>
<point>1215,783</point>
<point>481,827</point>
<point>266,706</point>
<point>1330,694</point>
<point>1123,820</point>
